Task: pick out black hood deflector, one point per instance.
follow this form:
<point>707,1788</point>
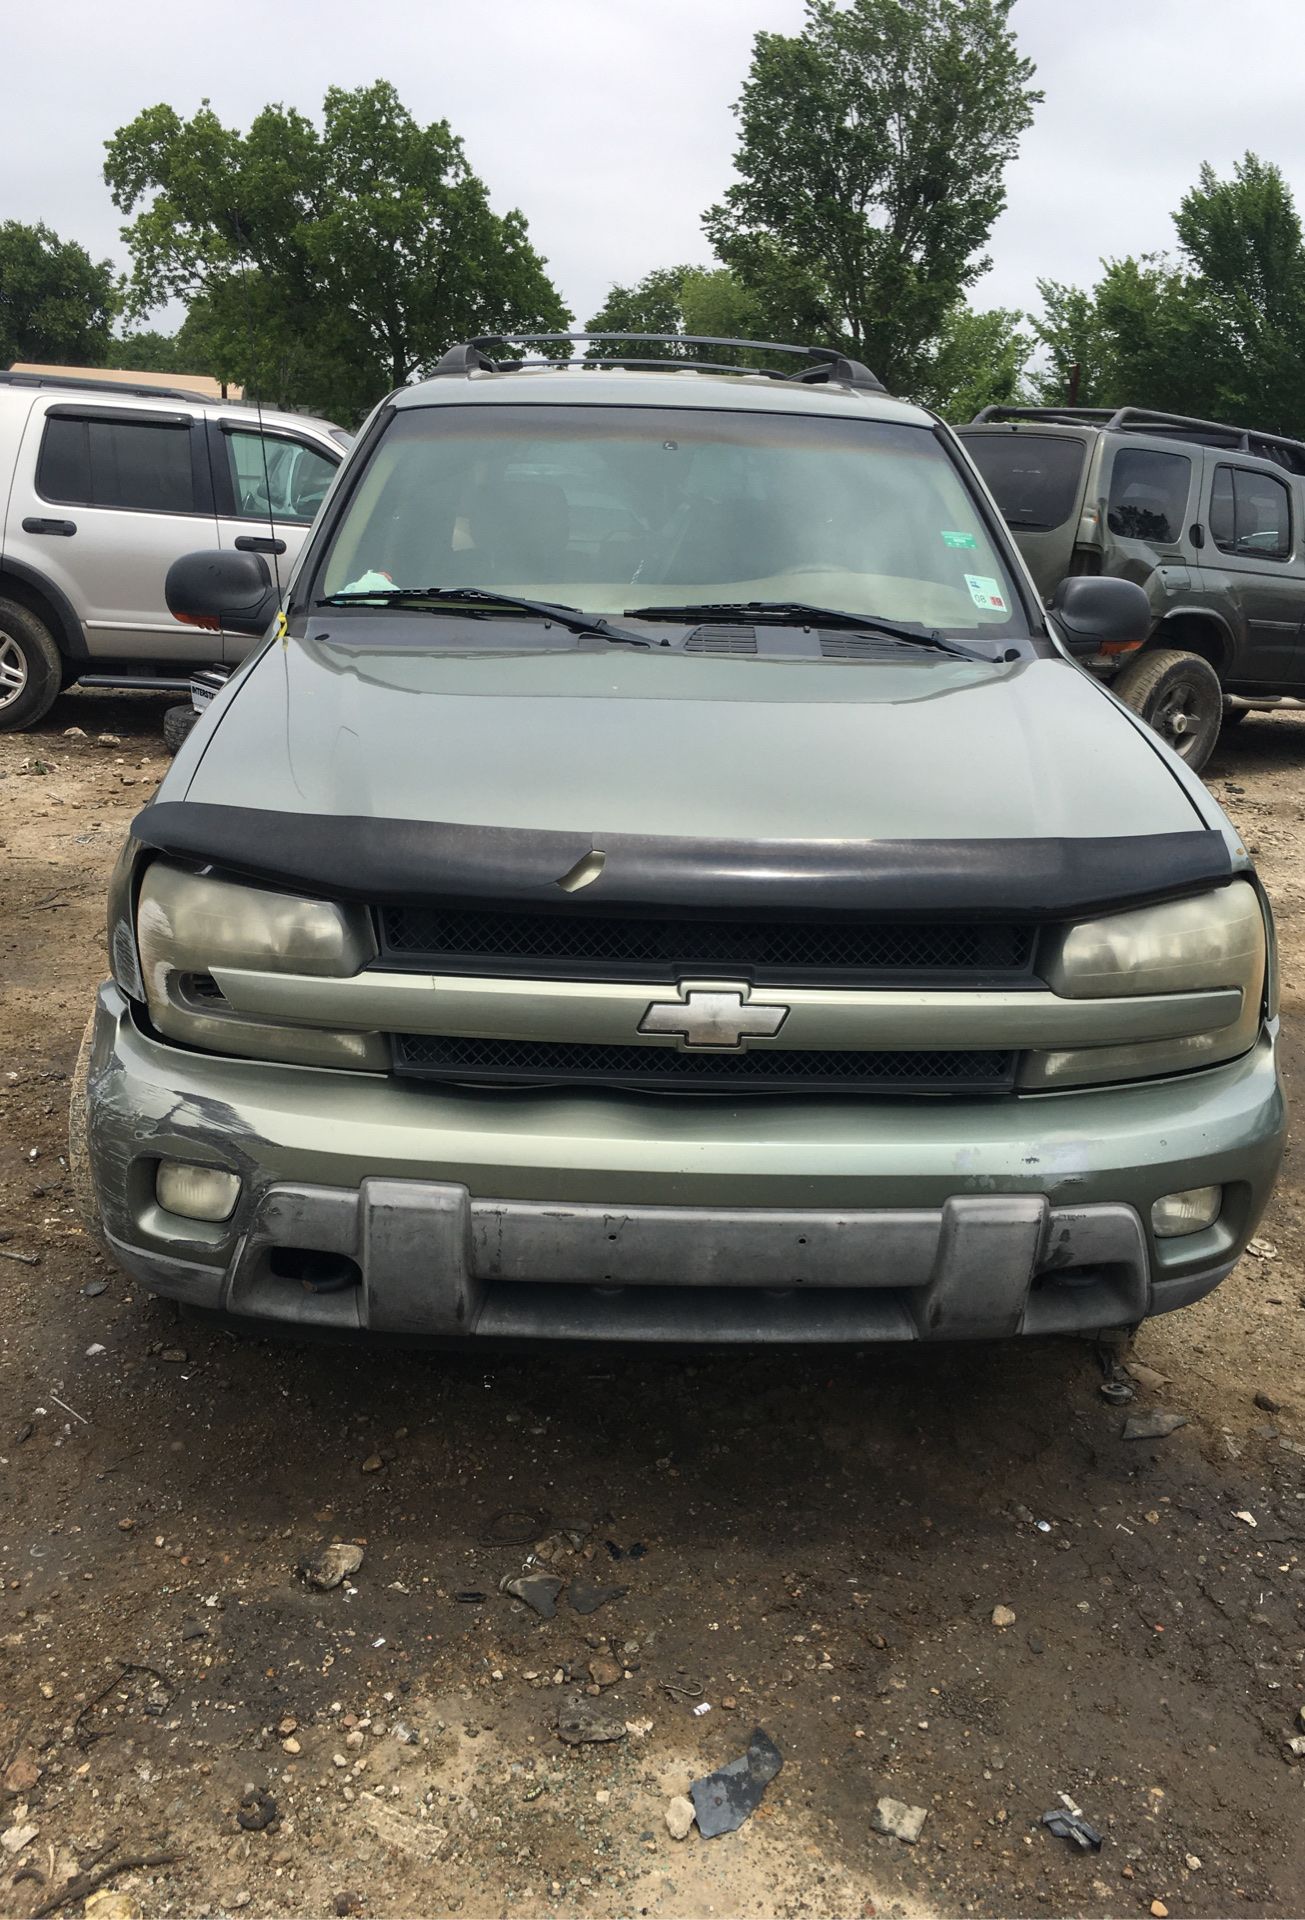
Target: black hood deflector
<point>354,857</point>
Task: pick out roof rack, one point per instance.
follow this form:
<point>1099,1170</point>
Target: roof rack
<point>78,384</point>
<point>823,364</point>
<point>1278,447</point>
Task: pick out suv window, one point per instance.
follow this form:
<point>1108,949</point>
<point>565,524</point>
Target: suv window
<point>117,463</point>
<point>610,507</point>
<point>274,478</point>
<point>1250,513</point>
<point>1148,495</point>
<point>1033,477</point>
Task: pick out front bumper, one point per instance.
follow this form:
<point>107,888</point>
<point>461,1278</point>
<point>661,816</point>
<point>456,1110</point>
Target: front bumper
<point>543,1214</point>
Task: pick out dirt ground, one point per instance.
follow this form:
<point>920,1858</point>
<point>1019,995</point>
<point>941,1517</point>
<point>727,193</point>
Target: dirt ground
<point>814,1546</point>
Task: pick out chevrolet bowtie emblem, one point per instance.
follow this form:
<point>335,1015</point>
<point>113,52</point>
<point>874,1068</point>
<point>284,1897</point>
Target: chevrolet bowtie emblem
<point>713,1017</point>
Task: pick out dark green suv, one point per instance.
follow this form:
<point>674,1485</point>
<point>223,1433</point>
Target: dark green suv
<point>1206,518</point>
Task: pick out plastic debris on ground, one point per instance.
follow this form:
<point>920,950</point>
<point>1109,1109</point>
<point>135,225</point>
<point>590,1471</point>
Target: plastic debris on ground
<point>587,1598</point>
<point>515,1527</point>
<point>1067,1822</point>
<point>538,1590</point>
<point>1152,1426</point>
<point>724,1799</point>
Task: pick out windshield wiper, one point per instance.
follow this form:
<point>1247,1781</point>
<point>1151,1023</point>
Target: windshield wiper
<point>436,598</point>
<point>799,610</point>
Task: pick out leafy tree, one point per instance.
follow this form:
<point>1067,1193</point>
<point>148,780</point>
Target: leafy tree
<point>1218,332</point>
<point>978,361</point>
<point>650,306</point>
<point>145,351</point>
<point>1141,337</point>
<point>673,300</point>
<point>1242,241</point>
<point>328,264</point>
<point>56,303</point>
<point>871,170</point>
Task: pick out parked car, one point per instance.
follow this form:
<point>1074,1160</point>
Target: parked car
<point>738,921</point>
<point>1208,519</point>
<point>103,485</point>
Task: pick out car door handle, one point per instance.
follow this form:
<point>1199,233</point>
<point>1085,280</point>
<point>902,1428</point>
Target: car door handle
<point>259,543</point>
<point>65,527</point>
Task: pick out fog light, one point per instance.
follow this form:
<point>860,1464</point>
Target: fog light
<point>1178,1213</point>
<point>196,1193</point>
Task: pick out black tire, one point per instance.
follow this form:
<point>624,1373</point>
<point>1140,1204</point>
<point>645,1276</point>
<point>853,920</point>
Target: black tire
<point>177,723</point>
<point>1177,694</point>
<point>1233,716</point>
<point>84,1201</point>
<point>31,669</point>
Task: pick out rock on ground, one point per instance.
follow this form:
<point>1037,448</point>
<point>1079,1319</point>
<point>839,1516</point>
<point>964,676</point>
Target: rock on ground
<point>898,1821</point>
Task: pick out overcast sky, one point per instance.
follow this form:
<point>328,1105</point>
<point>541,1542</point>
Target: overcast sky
<point>608,121</point>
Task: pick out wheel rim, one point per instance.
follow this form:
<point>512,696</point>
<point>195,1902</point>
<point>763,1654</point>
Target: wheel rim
<point>1181,720</point>
<point>13,669</point>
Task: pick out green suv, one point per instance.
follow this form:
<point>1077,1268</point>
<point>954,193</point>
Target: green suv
<point>1209,520</point>
<point>663,876</point>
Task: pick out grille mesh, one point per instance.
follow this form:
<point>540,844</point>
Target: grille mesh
<point>860,646</point>
<point>722,639</point>
<point>665,948</point>
<point>456,1057</point>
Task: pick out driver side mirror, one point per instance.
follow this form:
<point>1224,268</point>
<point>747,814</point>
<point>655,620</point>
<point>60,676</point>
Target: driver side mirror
<point>1095,614</point>
<point>226,591</point>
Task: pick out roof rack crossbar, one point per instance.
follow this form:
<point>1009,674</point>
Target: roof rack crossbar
<point>1218,433</point>
<point>822,363</point>
<point>140,390</point>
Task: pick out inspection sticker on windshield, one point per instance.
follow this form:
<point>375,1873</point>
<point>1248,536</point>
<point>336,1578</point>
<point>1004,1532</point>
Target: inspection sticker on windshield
<point>985,592</point>
<point>958,539</point>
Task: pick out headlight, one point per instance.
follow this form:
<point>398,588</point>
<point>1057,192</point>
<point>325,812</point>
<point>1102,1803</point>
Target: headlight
<point>1215,940</point>
<point>188,923</point>
<point>1218,939</point>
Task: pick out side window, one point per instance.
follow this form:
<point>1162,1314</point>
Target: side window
<point>1250,513</point>
<point>117,463</point>
<point>274,478</point>
<point>1148,495</point>
<point>1223,518</point>
<point>63,468</point>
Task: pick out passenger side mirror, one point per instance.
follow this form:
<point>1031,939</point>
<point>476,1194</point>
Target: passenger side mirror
<point>221,591</point>
<point>1094,614</point>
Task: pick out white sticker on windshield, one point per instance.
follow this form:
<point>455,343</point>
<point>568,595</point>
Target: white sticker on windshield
<point>985,592</point>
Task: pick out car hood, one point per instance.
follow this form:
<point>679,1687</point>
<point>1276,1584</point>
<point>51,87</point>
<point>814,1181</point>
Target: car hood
<point>671,744</point>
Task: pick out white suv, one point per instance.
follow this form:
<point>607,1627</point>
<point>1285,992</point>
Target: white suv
<point>102,487</point>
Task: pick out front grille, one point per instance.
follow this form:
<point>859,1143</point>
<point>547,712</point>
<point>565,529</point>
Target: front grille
<point>792,952</point>
<point>446,1057</point>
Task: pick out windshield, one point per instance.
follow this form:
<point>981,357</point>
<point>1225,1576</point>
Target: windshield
<point>608,508</point>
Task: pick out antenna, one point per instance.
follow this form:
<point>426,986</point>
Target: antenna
<point>256,378</point>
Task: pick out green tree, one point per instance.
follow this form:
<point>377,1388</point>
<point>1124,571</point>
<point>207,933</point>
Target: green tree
<point>1217,332</point>
<point>675,300</point>
<point>56,303</point>
<point>327,264</point>
<point>871,169</point>
<point>1241,239</point>
<point>1142,337</point>
<point>652,305</point>
<point>978,361</point>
